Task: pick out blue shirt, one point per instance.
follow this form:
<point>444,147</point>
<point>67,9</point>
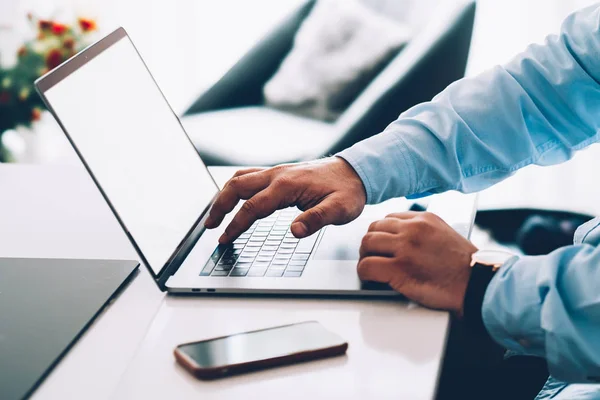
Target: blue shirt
<point>538,109</point>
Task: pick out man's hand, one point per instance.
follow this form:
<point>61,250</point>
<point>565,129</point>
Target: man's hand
<point>420,256</point>
<point>329,191</point>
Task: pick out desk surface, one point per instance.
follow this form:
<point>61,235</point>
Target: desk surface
<point>396,348</point>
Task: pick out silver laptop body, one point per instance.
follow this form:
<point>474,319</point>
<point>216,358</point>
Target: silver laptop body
<point>148,171</point>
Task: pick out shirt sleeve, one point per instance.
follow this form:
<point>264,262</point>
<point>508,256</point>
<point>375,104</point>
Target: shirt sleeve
<point>539,108</point>
<point>549,306</point>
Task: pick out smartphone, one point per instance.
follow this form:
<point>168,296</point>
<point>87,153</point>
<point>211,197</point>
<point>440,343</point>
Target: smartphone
<point>265,348</point>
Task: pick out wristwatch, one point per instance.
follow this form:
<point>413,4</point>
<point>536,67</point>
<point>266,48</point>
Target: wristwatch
<point>484,264</point>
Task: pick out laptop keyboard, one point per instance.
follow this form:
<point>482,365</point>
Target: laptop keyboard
<point>267,249</point>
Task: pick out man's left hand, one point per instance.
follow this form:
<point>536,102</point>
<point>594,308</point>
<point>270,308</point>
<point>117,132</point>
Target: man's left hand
<point>420,256</point>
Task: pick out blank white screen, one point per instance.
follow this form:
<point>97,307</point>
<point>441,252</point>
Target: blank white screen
<point>136,149</point>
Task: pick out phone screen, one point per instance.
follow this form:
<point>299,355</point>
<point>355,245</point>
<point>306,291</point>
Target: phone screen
<point>260,345</point>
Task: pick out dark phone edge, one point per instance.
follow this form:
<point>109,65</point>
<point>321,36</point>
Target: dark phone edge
<point>234,369</point>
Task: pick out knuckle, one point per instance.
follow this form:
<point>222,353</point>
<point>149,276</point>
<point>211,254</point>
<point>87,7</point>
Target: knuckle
<point>317,215</point>
<point>278,169</point>
<point>430,217</point>
<point>284,182</point>
<point>234,183</point>
<point>363,268</point>
<point>420,225</point>
<point>249,207</point>
<point>366,241</point>
<point>373,226</point>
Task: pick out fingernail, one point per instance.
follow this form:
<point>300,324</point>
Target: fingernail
<point>223,238</point>
<point>208,223</point>
<point>299,229</point>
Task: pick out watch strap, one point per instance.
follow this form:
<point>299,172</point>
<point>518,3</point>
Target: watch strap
<point>481,276</point>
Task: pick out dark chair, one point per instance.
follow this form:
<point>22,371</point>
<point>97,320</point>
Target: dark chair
<point>230,125</point>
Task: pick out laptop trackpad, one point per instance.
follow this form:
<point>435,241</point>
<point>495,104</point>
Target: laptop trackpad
<point>343,242</point>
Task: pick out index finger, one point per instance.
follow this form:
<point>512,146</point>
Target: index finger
<point>259,206</point>
<point>236,189</point>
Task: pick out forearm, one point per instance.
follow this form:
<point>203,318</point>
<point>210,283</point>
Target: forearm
<point>549,306</point>
<point>539,108</point>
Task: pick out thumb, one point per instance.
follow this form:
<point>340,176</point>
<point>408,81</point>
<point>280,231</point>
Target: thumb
<point>327,212</point>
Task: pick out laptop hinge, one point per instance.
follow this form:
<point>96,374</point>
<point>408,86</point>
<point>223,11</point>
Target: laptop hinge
<point>182,253</point>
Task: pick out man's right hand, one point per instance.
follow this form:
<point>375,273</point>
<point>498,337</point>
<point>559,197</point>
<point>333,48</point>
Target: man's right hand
<point>329,191</point>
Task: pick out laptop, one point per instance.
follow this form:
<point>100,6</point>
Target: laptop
<point>149,172</point>
<point>45,306</point>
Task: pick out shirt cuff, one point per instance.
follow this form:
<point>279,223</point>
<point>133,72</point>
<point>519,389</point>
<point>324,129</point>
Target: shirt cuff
<point>383,164</point>
<point>512,308</point>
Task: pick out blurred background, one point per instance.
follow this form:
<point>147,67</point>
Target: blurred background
<point>189,45</point>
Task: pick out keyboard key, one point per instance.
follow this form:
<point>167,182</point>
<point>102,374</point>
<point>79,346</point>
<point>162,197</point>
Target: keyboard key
<point>277,267</point>
<point>250,252</point>
<point>245,259</point>
<point>285,251</point>
<point>231,254</point>
<point>243,264</point>
<point>257,271</point>
<point>223,267</point>
<point>292,274</point>
<point>251,245</point>
<point>260,234</point>
<point>266,253</point>
<point>306,245</point>
<point>208,268</point>
<point>254,239</point>
<point>301,256</point>
<point>245,235</point>
<point>280,262</point>
<point>288,246</point>
<point>291,240</point>
<point>239,272</point>
<point>227,261</point>
<point>280,229</point>
<point>270,248</point>
<point>297,268</point>
<point>274,273</point>
<point>219,251</point>
<point>238,245</point>
<point>220,273</point>
<point>240,241</point>
<point>297,262</point>
<point>272,243</point>
<point>261,264</point>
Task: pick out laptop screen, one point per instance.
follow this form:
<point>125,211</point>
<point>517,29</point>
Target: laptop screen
<point>134,146</point>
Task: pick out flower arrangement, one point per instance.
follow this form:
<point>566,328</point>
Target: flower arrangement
<point>53,44</point>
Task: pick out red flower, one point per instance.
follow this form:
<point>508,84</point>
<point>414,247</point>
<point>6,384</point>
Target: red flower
<point>58,29</point>
<point>87,25</point>
<point>36,114</point>
<point>4,97</point>
<point>54,58</point>
<point>21,52</point>
<point>44,24</point>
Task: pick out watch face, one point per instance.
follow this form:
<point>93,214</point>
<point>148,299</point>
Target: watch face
<point>492,257</point>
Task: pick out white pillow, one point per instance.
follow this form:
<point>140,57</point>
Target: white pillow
<point>338,50</point>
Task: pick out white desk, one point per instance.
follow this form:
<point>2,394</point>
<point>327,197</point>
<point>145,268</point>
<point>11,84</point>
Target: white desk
<point>395,349</point>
